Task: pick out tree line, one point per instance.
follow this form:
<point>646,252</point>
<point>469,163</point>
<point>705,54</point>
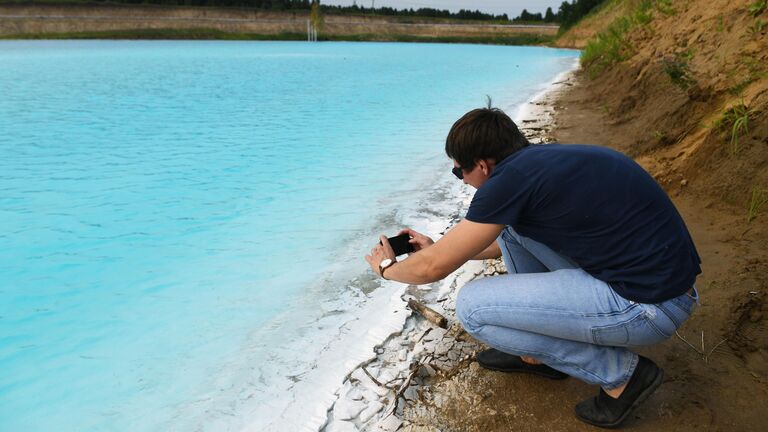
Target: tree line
<point>567,15</point>
<point>296,5</point>
<point>464,14</point>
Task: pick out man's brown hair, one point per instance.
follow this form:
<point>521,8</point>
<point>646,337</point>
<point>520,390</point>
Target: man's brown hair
<point>483,133</point>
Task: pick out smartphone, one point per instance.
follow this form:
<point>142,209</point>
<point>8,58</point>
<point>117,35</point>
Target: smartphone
<point>400,244</point>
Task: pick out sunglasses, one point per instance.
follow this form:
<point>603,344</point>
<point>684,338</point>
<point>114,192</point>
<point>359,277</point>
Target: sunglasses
<point>458,172</point>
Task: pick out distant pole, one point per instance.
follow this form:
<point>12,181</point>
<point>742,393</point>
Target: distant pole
<point>316,19</point>
<point>309,32</point>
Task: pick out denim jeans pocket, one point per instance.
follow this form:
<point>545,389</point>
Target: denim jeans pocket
<point>672,314</point>
<point>684,303</point>
<point>637,330</point>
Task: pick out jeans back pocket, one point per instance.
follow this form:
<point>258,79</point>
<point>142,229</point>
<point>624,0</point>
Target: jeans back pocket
<point>636,330</point>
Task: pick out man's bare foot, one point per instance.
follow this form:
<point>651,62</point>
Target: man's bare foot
<point>615,393</point>
<point>530,360</point>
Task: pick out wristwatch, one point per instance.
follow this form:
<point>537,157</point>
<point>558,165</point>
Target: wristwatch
<point>384,264</point>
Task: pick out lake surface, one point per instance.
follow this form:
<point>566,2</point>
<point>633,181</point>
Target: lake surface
<point>182,223</point>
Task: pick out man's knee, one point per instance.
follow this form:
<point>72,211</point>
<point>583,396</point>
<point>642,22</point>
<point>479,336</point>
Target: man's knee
<point>466,304</point>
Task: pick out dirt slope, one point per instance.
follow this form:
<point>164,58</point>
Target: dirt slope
<point>578,36</point>
<point>686,71</point>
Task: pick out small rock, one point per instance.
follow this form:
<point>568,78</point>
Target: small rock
<point>400,410</point>
<point>368,413</point>
<point>385,377</point>
<point>436,334</point>
<point>683,182</point>
<point>443,347</point>
<point>346,409</point>
<point>370,395</point>
<point>390,424</point>
<point>402,355</point>
<point>354,394</point>
<point>427,370</point>
<point>359,375</point>
<point>442,365</point>
<point>381,391</point>
<point>411,393</point>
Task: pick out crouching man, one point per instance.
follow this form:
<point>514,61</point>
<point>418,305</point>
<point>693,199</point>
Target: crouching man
<point>599,262</point>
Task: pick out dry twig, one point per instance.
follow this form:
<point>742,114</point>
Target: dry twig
<point>414,370</point>
<point>375,381</point>
<point>704,354</point>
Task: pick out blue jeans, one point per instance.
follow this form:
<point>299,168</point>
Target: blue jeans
<point>550,309</point>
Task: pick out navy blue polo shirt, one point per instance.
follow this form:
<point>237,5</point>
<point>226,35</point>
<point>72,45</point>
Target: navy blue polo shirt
<point>599,208</point>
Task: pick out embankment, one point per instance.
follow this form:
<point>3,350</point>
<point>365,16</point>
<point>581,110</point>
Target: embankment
<point>19,20</point>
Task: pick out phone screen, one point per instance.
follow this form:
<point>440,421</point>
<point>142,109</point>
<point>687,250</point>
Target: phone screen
<point>400,244</point>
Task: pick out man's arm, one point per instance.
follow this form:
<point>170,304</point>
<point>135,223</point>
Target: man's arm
<point>491,252</point>
<point>465,241</point>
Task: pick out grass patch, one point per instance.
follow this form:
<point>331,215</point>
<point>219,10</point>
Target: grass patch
<point>676,67</point>
<point>737,89</point>
<point>757,27</point>
<point>612,45</point>
<point>756,202</point>
<point>666,7</point>
<point>757,7</point>
<point>736,121</point>
<point>755,70</point>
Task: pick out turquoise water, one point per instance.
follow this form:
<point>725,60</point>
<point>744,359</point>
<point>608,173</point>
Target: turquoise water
<point>162,201</point>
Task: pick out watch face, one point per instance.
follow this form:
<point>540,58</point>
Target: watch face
<point>385,263</point>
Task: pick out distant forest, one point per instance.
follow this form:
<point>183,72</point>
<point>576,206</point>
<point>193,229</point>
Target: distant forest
<point>568,13</point>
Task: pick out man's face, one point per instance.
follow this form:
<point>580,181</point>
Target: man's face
<point>474,175</point>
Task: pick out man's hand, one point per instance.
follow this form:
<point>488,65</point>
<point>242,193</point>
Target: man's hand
<point>418,240</point>
<point>438,260</point>
<point>380,253</point>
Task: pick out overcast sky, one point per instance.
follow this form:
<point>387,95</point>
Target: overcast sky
<point>510,7</point>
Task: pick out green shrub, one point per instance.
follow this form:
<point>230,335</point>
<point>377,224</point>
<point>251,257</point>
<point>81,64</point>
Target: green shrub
<point>736,121</point>
<point>757,27</point>
<point>666,7</point>
<point>676,67</point>
<point>612,45</point>
<point>756,202</point>
<point>757,7</point>
<point>738,88</point>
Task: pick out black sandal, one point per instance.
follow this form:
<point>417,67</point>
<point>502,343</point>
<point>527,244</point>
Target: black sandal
<point>494,359</point>
<point>606,412</point>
